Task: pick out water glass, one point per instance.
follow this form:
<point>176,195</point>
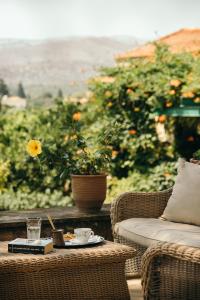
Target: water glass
<point>33,228</point>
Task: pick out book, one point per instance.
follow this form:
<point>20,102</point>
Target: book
<point>42,246</point>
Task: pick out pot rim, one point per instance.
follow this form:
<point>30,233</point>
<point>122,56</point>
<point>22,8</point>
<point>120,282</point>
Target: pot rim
<point>88,175</point>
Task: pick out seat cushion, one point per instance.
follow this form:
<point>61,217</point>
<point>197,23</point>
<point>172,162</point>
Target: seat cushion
<point>184,204</point>
<point>147,231</point>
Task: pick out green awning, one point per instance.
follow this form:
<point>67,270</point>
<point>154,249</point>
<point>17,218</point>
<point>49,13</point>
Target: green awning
<point>187,111</point>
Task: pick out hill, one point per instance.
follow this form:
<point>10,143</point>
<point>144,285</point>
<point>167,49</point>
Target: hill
<point>47,65</point>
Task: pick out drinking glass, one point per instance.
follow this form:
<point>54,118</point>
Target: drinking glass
<point>33,228</point>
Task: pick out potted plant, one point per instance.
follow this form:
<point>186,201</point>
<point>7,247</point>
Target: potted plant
<point>87,166</point>
<point>86,160</point>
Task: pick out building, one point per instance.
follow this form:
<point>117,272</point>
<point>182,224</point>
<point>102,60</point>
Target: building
<point>184,40</point>
<point>13,101</point>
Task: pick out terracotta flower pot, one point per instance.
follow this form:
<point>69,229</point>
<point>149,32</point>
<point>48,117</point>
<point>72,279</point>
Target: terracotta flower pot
<point>89,191</point>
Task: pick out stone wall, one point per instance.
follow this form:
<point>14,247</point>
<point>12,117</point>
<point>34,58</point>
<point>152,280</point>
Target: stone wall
<point>13,223</point>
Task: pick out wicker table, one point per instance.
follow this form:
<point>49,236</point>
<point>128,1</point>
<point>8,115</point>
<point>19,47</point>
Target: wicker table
<point>85,273</point>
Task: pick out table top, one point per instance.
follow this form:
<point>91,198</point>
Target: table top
<point>106,252</point>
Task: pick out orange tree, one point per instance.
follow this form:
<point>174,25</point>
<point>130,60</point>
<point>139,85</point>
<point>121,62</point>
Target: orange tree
<point>130,93</point>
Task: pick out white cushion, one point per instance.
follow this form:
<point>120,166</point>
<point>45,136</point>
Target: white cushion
<point>147,231</point>
<point>184,204</point>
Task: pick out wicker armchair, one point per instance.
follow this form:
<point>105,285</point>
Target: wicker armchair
<point>171,271</point>
<point>137,205</point>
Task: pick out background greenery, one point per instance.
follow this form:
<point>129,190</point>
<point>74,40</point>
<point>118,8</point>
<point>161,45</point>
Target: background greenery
<point>127,94</point>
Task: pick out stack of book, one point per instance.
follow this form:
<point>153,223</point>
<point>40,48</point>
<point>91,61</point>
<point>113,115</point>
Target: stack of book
<point>42,246</point>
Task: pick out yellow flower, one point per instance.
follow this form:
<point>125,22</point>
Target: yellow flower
<point>109,104</point>
<point>76,116</point>
<point>34,148</point>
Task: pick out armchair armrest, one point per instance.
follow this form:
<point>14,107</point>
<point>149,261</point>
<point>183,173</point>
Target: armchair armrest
<point>171,271</point>
<point>139,205</point>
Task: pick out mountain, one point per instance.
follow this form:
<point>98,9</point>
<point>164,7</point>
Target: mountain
<point>47,65</point>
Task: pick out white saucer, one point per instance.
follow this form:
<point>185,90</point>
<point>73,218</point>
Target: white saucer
<point>92,241</point>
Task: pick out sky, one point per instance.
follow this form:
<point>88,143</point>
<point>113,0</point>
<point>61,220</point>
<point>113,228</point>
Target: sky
<point>144,19</point>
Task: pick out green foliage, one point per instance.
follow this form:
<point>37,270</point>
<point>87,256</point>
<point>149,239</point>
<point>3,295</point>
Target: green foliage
<point>3,88</point>
<point>156,179</point>
<point>17,128</point>
<point>81,155</point>
<point>4,173</point>
<point>196,155</point>
<point>84,138</point>
<point>129,94</point>
<point>20,200</point>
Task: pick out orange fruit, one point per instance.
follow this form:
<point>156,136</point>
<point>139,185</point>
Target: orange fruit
<point>172,92</point>
<point>175,82</point>
<point>166,174</point>
<point>188,94</point>
<point>168,104</point>
<point>132,131</point>
<point>190,138</point>
<point>129,91</point>
<point>114,153</point>
<point>197,100</point>
<point>76,116</point>
<point>162,118</point>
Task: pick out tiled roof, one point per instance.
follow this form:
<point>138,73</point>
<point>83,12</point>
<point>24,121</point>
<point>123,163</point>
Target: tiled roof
<point>183,40</point>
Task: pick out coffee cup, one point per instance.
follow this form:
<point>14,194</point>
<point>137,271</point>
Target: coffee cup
<point>83,234</point>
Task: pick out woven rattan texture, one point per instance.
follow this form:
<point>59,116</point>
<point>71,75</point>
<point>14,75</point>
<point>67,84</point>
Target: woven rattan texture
<point>137,205</point>
<point>133,265</point>
<point>171,271</point>
<point>76,274</point>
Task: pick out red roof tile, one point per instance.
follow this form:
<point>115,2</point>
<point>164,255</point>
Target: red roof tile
<point>183,40</point>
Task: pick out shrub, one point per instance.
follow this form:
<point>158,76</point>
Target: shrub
<point>155,179</point>
<point>20,200</point>
<point>4,173</point>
